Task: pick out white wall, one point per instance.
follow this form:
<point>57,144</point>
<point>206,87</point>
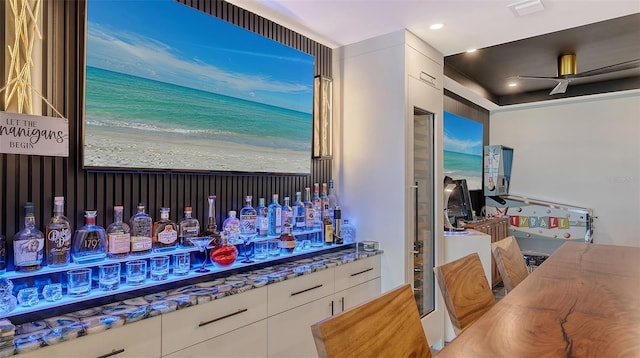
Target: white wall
<point>584,152</point>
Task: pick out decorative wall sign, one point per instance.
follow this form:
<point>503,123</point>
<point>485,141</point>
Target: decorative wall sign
<point>33,135</point>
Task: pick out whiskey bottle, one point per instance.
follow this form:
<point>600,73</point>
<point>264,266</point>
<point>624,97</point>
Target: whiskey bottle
<point>188,227</point>
<point>248,216</point>
<point>308,210</point>
<point>211,230</point>
<point>90,241</point>
<point>287,213</point>
<point>327,228</point>
<point>140,225</point>
<point>58,236</point>
<point>165,232</point>
<point>286,241</point>
<point>275,216</point>
<point>118,235</point>
<point>298,214</point>
<point>28,244</point>
<point>262,221</point>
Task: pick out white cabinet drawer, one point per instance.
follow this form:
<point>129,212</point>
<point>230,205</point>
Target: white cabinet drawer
<point>424,68</point>
<point>357,272</point>
<point>187,327</point>
<point>135,340</point>
<point>292,293</point>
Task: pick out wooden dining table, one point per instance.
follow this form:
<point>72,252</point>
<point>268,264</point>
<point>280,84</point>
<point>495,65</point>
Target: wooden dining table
<point>583,301</point>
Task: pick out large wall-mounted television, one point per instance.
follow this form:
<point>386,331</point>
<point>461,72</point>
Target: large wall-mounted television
<point>169,87</point>
<point>463,149</point>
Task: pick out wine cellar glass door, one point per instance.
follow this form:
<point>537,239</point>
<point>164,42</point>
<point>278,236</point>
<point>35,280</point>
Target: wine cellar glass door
<point>424,239</point>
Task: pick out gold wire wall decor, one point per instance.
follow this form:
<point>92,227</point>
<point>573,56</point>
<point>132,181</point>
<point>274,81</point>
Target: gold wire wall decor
<point>323,117</point>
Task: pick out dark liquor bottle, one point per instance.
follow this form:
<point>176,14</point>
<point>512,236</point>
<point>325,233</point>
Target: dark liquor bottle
<point>58,236</point>
<point>28,244</point>
<point>90,241</point>
<point>165,232</point>
<point>287,242</point>
<point>327,227</point>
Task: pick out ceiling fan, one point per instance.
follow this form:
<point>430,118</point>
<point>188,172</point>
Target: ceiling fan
<point>567,72</point>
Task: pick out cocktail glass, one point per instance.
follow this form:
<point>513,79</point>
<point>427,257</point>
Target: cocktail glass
<point>247,239</point>
<point>201,243</point>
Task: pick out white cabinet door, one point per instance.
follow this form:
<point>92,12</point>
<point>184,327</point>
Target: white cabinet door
<point>300,290</point>
<point>136,340</point>
<point>248,341</point>
<point>356,295</point>
<point>357,272</point>
<point>289,333</point>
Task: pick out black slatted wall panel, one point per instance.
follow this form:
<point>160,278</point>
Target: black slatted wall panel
<point>39,179</point>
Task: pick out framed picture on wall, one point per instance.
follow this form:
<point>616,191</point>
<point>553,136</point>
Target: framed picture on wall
<point>463,149</point>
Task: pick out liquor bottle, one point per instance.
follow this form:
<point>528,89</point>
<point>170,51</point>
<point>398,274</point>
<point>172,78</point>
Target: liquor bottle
<point>262,221</point>
<point>231,227</point>
<point>298,213</point>
<point>58,236</point>
<point>286,241</point>
<point>275,216</point>
<point>324,201</point>
<point>141,225</point>
<point>317,207</point>
<point>90,241</point>
<point>287,213</point>
<point>337,226</point>
<point>334,201</point>
<point>327,227</point>
<point>187,227</point>
<point>3,254</point>
<point>118,235</point>
<point>28,244</point>
<point>308,210</point>
<point>348,232</point>
<point>248,216</point>
<point>212,227</point>
<point>165,232</point>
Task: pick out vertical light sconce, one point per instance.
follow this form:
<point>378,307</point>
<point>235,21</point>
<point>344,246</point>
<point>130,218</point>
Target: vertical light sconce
<point>322,117</point>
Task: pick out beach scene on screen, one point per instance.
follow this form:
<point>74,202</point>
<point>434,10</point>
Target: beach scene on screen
<point>463,149</point>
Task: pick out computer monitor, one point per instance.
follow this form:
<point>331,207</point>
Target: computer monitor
<point>459,205</point>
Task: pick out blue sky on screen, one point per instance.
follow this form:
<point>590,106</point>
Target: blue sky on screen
<point>462,135</point>
<point>170,42</point>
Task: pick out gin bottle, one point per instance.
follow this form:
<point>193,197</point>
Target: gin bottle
<point>165,232</point>
<point>324,202</point>
<point>231,227</point>
<point>309,220</point>
<point>28,244</point>
<point>262,221</point>
<point>287,213</point>
<point>118,235</point>
<point>248,216</point>
<point>298,213</point>
<point>58,236</point>
<point>140,225</point>
<point>90,241</point>
<point>317,207</point>
<point>211,229</point>
<point>188,227</point>
<point>275,216</point>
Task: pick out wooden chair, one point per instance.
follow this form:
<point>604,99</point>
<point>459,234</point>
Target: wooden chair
<point>466,291</point>
<point>510,262</point>
<point>386,326</point>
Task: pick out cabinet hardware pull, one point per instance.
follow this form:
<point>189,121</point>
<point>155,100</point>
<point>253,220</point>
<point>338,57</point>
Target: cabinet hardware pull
<point>303,291</point>
<point>113,352</point>
<point>342,302</point>
<point>332,307</point>
<point>223,317</point>
<point>361,272</point>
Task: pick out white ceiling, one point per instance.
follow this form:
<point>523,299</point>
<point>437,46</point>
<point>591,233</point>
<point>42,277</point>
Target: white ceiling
<point>467,23</point>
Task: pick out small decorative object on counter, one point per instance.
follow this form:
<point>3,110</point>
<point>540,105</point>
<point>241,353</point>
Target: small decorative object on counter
<point>28,244</point>
<point>58,236</point>
<point>225,254</point>
<point>287,242</point>
<point>140,225</point>
<point>118,235</point>
<point>90,241</point>
<point>165,232</point>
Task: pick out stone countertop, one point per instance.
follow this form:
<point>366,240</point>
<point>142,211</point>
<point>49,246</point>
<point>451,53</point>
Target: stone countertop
<point>30,336</point>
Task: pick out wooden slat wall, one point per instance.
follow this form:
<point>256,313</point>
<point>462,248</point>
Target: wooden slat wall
<point>38,179</point>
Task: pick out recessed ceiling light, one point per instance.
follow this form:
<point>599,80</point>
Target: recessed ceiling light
<point>472,50</point>
<point>436,26</point>
<point>512,84</point>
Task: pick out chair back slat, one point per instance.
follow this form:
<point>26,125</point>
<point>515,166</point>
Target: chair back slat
<point>510,262</point>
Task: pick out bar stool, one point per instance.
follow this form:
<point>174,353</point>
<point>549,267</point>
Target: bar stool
<point>510,262</point>
<point>386,326</point>
<point>465,289</point>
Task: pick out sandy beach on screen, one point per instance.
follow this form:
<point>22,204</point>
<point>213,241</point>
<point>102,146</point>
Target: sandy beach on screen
<point>133,148</point>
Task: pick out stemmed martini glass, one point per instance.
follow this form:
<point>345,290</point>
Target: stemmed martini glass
<point>201,243</point>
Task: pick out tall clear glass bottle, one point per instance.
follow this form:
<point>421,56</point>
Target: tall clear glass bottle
<point>211,230</point>
<point>324,202</point>
<point>248,216</point>
<point>275,216</point>
<point>334,200</point>
<point>28,243</point>
<point>231,227</point>
<point>262,221</point>
<point>298,213</point>
<point>287,213</point>
<point>317,207</point>
<point>309,220</point>
<point>141,225</point>
<point>188,227</point>
<point>90,241</point>
<point>165,232</point>
<point>58,236</point>
<point>118,235</point>
<point>3,255</point>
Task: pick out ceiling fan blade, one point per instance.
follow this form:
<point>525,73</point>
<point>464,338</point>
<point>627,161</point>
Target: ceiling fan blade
<point>538,78</point>
<point>561,87</point>
<point>628,65</point>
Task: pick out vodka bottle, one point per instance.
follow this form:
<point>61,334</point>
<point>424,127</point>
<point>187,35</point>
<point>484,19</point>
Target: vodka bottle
<point>248,216</point>
<point>187,227</point>
<point>287,213</point>
<point>324,202</point>
<point>165,232</point>
<point>334,201</point>
<point>275,216</point>
<point>317,207</point>
<point>28,243</point>
<point>141,225</point>
<point>90,241</point>
<point>118,235</point>
<point>231,227</point>
<point>212,228</point>
<point>58,236</point>
<point>262,221</point>
<point>298,214</point>
<point>309,220</point>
